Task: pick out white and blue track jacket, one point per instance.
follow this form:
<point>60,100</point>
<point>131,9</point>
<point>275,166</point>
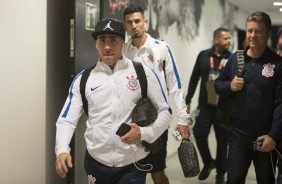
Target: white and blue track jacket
<point>111,96</point>
<point>151,54</point>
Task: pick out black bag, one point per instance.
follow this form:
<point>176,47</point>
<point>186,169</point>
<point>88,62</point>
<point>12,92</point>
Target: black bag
<point>188,158</point>
<point>144,113</point>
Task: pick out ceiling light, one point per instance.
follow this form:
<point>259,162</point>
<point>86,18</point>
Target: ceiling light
<point>277,3</point>
<point>280,9</point>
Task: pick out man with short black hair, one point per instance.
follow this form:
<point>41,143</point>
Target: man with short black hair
<point>112,91</point>
<point>207,67</point>
<point>156,54</point>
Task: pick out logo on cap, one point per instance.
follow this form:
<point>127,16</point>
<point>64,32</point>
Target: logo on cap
<point>108,26</point>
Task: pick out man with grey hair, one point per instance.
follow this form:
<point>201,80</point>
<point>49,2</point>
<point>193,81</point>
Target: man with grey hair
<point>256,111</point>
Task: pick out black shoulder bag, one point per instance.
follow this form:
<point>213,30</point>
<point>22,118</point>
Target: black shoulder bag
<point>144,113</point>
<point>82,85</point>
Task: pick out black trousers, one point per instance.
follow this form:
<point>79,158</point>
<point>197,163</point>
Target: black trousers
<point>201,130</point>
<point>241,155</point>
<point>98,173</point>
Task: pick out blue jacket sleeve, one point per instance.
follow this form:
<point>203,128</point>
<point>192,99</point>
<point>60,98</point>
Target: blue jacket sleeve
<point>223,81</point>
<point>194,79</point>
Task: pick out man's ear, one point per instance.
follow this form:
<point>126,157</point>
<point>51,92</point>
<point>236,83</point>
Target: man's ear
<point>145,23</point>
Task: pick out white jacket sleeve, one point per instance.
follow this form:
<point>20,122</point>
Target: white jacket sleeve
<point>175,89</point>
<point>156,94</point>
<point>69,117</point>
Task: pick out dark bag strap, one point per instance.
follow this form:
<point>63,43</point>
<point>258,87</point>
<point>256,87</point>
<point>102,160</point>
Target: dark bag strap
<point>163,49</point>
<point>240,63</point>
<point>164,62</point>
<point>141,77</point>
<point>83,81</point>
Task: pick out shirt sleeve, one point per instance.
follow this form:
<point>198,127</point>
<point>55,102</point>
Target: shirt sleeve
<point>194,79</point>
<point>276,128</point>
<point>175,89</point>
<point>68,118</point>
<point>223,81</point>
<point>156,95</point>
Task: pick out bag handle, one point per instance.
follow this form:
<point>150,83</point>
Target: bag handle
<point>185,140</point>
<point>240,63</point>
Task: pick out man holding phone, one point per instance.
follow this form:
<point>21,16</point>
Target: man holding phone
<point>112,91</point>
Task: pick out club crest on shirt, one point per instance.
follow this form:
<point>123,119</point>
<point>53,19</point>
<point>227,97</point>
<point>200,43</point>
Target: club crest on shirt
<point>160,66</point>
<point>151,58</point>
<point>132,85</point>
<point>268,70</point>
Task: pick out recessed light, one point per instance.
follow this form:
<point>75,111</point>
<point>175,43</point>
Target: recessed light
<point>280,9</point>
<point>277,3</point>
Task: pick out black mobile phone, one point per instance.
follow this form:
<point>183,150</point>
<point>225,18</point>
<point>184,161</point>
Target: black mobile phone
<point>123,129</point>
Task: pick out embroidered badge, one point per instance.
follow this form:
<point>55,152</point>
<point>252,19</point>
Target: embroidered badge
<point>268,70</point>
<point>160,66</point>
<point>91,179</point>
<point>132,83</point>
<point>151,58</point>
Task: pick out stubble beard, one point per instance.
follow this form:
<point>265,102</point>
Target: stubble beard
<point>135,36</point>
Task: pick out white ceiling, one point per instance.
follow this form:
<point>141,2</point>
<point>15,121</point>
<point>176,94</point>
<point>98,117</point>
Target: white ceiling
<point>261,5</point>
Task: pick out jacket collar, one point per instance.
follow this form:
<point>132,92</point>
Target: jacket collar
<point>120,64</point>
